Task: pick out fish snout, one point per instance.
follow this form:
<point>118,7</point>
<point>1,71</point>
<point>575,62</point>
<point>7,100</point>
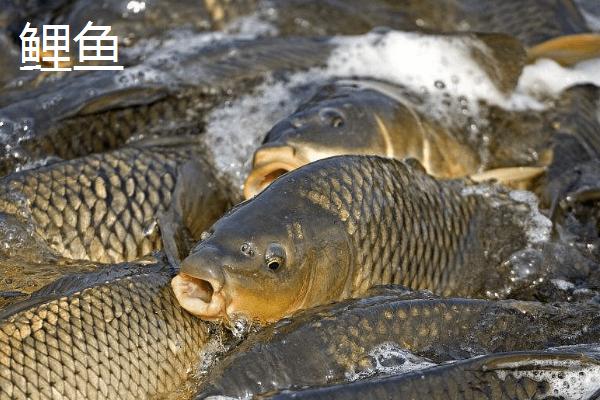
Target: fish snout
<point>198,287</point>
<point>204,268</point>
<point>270,162</point>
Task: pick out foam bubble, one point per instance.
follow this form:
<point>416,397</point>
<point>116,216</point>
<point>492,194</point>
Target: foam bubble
<point>390,359</point>
<point>234,131</point>
<point>427,63</point>
<point>537,226</point>
<point>568,379</point>
<point>546,77</point>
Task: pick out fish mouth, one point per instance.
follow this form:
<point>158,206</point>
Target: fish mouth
<point>270,162</point>
<point>201,297</point>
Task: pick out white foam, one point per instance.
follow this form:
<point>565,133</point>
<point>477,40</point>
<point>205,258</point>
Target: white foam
<point>537,226</point>
<point>234,131</point>
<point>562,284</point>
<point>390,359</point>
<point>548,78</point>
<point>426,63</point>
<point>429,63</point>
<point>571,379</point>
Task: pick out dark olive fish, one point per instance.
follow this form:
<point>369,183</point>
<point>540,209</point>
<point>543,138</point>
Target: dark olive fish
<point>104,207</point>
<point>102,110</point>
<point>114,333</point>
<point>514,376</point>
<point>328,344</point>
<point>334,228</point>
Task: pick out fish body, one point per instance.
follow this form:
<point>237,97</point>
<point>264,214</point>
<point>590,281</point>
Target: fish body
<point>104,207</point>
<point>326,345</point>
<point>100,110</point>
<point>114,333</point>
<point>339,226</point>
<point>515,376</point>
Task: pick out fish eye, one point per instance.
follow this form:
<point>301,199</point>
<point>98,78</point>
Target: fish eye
<point>247,250</point>
<point>332,117</point>
<point>275,256</point>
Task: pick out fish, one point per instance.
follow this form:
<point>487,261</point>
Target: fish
<point>100,111</point>
<point>338,226</point>
<point>358,117</point>
<point>326,345</point>
<point>514,375</point>
<point>104,207</point>
<point>117,332</point>
<point>379,118</point>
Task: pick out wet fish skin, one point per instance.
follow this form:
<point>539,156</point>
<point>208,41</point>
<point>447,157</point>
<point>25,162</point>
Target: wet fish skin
<point>114,333</point>
<point>349,223</point>
<point>327,344</point>
<point>515,376</point>
<point>103,207</point>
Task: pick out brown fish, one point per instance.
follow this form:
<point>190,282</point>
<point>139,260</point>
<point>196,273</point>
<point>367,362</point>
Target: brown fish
<point>113,333</point>
<point>336,227</point>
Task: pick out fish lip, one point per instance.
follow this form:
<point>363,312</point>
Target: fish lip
<point>188,292</point>
<point>270,163</point>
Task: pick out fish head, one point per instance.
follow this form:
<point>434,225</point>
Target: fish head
<point>265,259</point>
<point>341,119</point>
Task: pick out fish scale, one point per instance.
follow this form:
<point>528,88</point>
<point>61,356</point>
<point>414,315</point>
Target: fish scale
<point>421,244</point>
<point>119,337</point>
<point>96,208</point>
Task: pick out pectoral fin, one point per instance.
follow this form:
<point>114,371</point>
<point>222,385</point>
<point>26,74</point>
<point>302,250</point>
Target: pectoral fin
<point>567,50</point>
<point>513,177</point>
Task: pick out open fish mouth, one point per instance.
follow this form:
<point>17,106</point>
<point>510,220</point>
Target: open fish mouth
<point>201,297</point>
<point>270,162</point>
